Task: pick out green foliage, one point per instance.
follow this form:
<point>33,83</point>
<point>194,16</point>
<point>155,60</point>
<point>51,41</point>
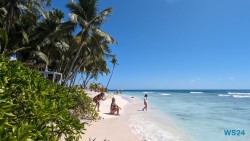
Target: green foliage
<point>39,37</point>
<point>34,108</point>
<point>82,107</point>
<point>97,87</point>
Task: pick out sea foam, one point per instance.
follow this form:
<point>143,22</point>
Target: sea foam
<point>147,92</point>
<point>196,92</point>
<point>241,96</point>
<point>238,93</point>
<point>164,94</point>
<point>223,95</point>
<point>149,131</point>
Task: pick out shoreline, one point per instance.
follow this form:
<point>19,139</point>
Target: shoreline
<point>133,124</point>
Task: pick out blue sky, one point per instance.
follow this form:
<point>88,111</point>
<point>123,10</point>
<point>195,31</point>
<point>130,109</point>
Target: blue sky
<point>179,44</point>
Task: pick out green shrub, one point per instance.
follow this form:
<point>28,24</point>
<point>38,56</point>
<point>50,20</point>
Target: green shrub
<point>34,108</point>
<point>97,87</point>
<point>82,107</point>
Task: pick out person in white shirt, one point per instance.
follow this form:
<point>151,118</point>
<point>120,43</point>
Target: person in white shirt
<point>145,102</point>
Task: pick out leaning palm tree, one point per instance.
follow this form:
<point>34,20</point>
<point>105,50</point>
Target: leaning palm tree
<point>50,37</point>
<point>114,63</point>
<point>85,15</point>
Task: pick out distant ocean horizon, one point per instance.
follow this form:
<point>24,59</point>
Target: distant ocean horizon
<point>179,89</point>
<point>200,114</point>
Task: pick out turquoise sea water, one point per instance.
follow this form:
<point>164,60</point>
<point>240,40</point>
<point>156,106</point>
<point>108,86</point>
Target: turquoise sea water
<point>201,115</point>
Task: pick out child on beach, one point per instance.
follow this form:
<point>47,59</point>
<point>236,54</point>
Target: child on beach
<point>114,107</point>
<point>145,102</point>
<point>97,100</point>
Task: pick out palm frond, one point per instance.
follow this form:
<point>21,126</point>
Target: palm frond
<point>114,60</point>
<point>43,43</point>
<point>38,8</point>
<point>89,8</point>
<point>40,55</point>
<point>17,50</point>
<point>107,55</point>
<point>41,9</point>
<point>77,19</point>
<point>3,12</point>
<point>103,34</point>
<point>75,8</point>
<point>101,17</point>
<point>47,2</point>
<point>62,46</point>
<point>63,29</point>
<point>25,36</point>
<point>73,17</point>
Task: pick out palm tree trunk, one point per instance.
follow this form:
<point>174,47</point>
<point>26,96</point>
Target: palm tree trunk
<point>72,74</point>
<point>46,67</point>
<point>77,54</point>
<point>85,80</point>
<point>72,81</point>
<point>110,77</point>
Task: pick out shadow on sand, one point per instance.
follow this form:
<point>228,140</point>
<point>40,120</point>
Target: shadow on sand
<point>107,113</point>
<point>111,114</point>
<point>139,110</point>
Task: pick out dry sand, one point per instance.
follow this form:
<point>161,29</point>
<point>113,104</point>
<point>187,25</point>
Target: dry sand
<point>111,127</point>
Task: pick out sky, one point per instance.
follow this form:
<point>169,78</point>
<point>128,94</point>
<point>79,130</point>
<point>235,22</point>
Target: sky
<point>178,44</point>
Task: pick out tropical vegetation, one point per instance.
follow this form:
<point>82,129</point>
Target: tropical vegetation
<point>34,108</point>
<point>40,39</point>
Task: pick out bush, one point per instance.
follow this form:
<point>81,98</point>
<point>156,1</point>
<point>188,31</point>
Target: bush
<point>34,108</point>
<point>97,87</point>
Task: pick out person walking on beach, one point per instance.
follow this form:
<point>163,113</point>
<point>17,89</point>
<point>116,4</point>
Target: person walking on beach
<point>97,100</point>
<point>145,102</point>
<point>114,107</point>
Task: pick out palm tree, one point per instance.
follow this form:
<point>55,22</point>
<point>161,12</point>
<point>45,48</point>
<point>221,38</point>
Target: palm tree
<point>18,18</point>
<point>3,39</point>
<point>50,38</point>
<point>114,62</point>
<point>39,36</point>
<point>85,15</point>
<point>94,62</point>
<point>14,8</point>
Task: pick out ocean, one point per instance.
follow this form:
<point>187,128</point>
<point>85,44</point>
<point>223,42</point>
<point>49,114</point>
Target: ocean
<point>196,115</point>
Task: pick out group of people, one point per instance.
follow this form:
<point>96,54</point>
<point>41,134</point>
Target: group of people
<point>114,108</point>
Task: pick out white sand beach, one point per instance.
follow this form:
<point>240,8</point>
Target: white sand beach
<point>111,127</point>
<point>119,128</point>
<point>132,124</point>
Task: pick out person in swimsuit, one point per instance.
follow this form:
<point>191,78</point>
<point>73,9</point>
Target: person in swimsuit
<point>114,107</point>
<point>145,102</point>
<point>97,100</point>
